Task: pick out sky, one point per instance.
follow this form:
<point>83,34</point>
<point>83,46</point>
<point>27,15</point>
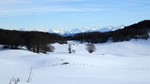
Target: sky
<point>69,14</point>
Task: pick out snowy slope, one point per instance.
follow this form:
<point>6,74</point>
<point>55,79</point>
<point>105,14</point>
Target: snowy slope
<point>112,63</point>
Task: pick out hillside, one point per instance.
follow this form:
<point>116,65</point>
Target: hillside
<point>138,30</point>
<point>113,63</point>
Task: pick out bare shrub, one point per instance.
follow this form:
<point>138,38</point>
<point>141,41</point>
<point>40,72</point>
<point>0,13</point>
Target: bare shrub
<point>73,51</point>
<point>69,48</point>
<point>90,47</point>
<point>30,76</point>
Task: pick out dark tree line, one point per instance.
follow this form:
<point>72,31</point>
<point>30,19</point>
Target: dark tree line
<point>94,37</point>
<point>33,40</point>
<point>139,30</point>
<point>40,41</point>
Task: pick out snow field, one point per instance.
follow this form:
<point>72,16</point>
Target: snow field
<point>112,63</point>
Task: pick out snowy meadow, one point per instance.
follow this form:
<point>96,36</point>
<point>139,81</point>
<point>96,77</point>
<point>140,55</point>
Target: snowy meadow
<point>125,62</point>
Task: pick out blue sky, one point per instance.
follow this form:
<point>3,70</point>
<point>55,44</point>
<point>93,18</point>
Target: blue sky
<point>46,14</point>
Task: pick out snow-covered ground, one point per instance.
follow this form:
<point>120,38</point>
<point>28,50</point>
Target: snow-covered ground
<point>112,63</point>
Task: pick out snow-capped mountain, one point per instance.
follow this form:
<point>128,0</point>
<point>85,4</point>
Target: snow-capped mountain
<point>84,29</point>
<point>72,31</point>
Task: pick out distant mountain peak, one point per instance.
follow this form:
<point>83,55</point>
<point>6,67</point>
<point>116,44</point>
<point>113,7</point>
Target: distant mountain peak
<point>84,29</point>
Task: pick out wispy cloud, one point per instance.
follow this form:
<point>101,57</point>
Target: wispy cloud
<point>20,7</point>
<point>23,7</point>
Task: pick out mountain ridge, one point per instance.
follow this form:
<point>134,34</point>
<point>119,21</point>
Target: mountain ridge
<point>86,29</point>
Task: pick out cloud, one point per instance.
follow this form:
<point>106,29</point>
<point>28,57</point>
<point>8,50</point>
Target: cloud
<point>26,7</point>
<point>48,9</point>
<point>6,3</point>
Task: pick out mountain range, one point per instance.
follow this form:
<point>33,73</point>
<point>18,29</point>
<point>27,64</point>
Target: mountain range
<point>67,32</point>
<point>71,31</point>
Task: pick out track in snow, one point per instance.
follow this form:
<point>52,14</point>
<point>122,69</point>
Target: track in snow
<point>62,62</point>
